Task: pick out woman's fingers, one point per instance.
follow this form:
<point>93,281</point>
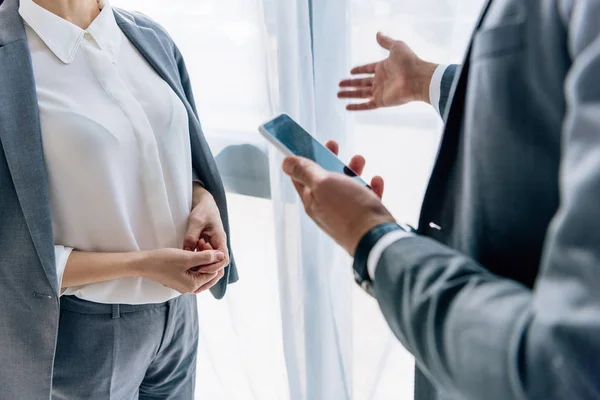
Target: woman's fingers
<point>211,283</point>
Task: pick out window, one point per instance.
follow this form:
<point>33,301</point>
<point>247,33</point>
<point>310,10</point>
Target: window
<point>225,44</point>
<point>399,144</point>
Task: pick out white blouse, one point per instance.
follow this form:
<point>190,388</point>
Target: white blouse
<point>116,146</point>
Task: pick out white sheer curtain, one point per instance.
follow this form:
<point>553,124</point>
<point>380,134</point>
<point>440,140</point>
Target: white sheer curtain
<point>295,327</point>
<point>314,279</point>
<point>399,144</point>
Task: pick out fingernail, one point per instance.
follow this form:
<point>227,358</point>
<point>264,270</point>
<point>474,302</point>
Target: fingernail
<point>187,248</point>
<point>220,256</point>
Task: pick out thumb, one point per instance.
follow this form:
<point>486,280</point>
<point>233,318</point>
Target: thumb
<point>384,41</point>
<point>303,170</point>
<point>192,235</point>
<point>205,257</point>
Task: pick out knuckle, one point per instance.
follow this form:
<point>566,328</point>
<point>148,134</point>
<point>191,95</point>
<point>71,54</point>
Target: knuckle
<point>190,237</point>
<point>210,258</point>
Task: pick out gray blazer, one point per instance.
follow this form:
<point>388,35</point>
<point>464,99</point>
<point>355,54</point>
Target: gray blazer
<point>29,303</point>
<point>504,301</point>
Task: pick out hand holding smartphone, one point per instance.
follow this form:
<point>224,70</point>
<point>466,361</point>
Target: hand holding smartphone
<point>291,139</point>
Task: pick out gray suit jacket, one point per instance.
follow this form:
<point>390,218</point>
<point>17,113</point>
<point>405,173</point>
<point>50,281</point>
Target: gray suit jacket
<point>28,283</point>
<point>504,301</point>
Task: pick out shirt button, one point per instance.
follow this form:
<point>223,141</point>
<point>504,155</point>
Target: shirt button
<point>87,36</point>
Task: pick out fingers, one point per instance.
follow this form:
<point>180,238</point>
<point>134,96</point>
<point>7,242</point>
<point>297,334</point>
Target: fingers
<point>210,269</point>
<point>364,69</point>
<point>218,241</point>
<point>203,245</point>
<point>206,257</point>
<point>384,41</point>
<point>357,164</point>
<point>303,171</point>
<point>378,186</point>
<point>357,83</point>
<point>192,235</point>
<point>333,146</point>
<point>211,283</point>
<point>371,105</point>
<point>196,281</point>
<point>362,93</point>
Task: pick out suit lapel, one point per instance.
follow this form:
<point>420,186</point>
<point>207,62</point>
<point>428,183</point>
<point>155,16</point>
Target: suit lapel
<point>147,43</point>
<point>448,148</point>
<point>21,140</point>
<point>459,91</point>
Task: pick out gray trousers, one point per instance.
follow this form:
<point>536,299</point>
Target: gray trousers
<point>126,352</point>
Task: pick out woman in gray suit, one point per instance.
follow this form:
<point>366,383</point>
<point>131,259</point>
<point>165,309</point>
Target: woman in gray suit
<point>112,207</point>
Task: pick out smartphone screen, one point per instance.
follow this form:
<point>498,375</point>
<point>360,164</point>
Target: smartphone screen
<point>300,143</point>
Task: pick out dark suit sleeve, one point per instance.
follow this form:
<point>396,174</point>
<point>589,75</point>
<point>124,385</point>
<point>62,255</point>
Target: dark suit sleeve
<point>487,337</point>
<point>446,87</point>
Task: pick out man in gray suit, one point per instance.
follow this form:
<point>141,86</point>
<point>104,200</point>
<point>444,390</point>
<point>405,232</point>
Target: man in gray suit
<point>497,294</point>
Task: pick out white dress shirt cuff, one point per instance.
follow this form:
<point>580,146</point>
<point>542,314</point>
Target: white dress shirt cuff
<point>61,254</point>
<point>435,87</point>
<point>381,246</point>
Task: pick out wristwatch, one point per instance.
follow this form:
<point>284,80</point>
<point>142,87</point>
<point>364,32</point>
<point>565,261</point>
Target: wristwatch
<point>366,244</point>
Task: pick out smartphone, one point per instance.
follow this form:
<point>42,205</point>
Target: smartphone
<point>291,139</point>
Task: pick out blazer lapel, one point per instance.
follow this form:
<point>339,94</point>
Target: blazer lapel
<point>20,135</point>
<point>141,38</point>
<point>448,148</point>
<point>458,98</point>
